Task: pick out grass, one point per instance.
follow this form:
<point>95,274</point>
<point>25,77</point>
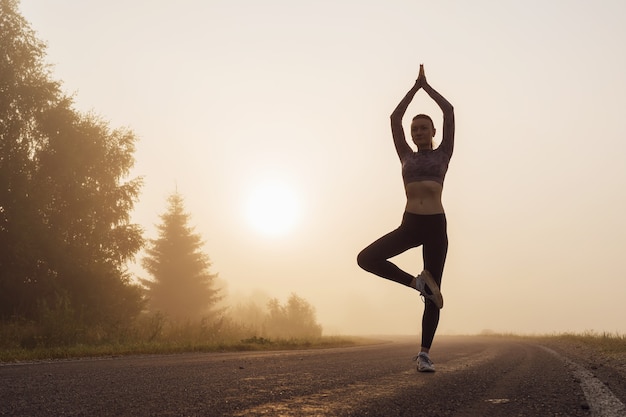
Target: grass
<point>187,341</point>
<point>173,347</point>
<point>606,342</point>
<point>65,338</point>
<point>611,343</point>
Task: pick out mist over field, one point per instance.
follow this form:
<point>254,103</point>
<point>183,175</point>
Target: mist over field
<point>272,123</point>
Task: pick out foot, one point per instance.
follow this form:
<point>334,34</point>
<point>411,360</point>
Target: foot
<point>426,285</point>
<point>424,364</point>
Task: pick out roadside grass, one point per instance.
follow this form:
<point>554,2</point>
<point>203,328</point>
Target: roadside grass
<point>17,346</point>
<point>162,347</point>
<point>611,343</point>
<point>606,342</point>
<point>62,338</point>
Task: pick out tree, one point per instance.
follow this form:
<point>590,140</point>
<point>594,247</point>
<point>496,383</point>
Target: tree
<point>65,234</point>
<point>296,319</point>
<point>182,288</point>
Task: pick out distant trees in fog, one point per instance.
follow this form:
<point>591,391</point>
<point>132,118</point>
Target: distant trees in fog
<point>65,230</point>
<point>294,320</point>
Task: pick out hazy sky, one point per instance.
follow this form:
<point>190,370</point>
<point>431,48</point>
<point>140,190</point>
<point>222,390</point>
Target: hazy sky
<point>229,96</point>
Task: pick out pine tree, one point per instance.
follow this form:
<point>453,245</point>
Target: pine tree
<point>181,288</point>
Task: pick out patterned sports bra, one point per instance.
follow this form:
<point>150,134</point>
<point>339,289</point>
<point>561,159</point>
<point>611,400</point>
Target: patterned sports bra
<point>429,165</point>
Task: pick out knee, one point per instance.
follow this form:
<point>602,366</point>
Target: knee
<point>364,260</point>
<point>431,310</point>
<point>435,273</point>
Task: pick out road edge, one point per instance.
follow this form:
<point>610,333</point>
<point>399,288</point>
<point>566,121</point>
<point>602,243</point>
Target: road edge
<point>601,400</point>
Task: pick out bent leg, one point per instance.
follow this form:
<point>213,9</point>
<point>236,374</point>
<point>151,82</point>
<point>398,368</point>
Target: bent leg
<point>374,258</point>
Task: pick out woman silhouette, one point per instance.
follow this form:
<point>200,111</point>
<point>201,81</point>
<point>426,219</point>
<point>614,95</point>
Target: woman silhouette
<point>424,219</point>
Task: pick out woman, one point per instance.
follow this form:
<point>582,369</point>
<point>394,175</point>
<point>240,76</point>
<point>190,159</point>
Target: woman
<point>424,220</point>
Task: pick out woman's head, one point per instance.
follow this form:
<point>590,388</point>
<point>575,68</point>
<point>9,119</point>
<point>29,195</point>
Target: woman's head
<point>422,131</point>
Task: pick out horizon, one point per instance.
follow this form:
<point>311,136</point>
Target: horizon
<point>231,98</point>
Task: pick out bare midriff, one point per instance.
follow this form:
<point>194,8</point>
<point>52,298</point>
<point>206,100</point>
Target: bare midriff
<point>424,197</point>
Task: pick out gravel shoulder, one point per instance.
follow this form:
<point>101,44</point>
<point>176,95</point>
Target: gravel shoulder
<point>608,367</point>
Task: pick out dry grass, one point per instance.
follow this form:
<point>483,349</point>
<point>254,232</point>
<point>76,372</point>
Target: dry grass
<point>172,347</point>
<point>605,342</point>
<point>610,343</point>
<point>25,341</point>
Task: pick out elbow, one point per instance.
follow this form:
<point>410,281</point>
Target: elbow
<point>396,124</point>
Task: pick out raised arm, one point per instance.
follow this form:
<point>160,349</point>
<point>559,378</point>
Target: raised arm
<point>397,131</point>
<point>447,141</point>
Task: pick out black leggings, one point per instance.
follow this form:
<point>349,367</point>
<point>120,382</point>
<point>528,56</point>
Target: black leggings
<point>429,231</point>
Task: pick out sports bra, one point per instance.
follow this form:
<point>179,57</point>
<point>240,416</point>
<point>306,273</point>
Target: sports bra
<point>428,165</point>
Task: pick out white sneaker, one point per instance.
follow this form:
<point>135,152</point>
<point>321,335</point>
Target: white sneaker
<point>424,364</point>
<point>424,283</point>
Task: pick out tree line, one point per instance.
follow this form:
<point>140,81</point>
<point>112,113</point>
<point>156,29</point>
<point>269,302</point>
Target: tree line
<point>66,235</point>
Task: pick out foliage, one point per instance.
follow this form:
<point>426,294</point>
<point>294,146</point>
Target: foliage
<point>64,208</point>
<point>250,313</point>
<point>153,334</point>
<point>59,336</point>
<point>182,288</point>
<point>296,319</point>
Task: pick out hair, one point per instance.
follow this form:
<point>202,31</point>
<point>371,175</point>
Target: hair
<point>425,116</point>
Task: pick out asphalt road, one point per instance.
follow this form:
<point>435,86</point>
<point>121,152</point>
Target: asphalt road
<point>475,377</point>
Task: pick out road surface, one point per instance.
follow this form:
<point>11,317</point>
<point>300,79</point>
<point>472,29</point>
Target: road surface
<point>476,377</point>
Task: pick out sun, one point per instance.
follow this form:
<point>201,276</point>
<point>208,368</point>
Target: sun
<point>272,208</point>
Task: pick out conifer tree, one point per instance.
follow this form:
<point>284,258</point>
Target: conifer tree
<point>182,287</point>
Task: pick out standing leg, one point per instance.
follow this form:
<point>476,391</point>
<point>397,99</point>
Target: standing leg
<point>434,251</point>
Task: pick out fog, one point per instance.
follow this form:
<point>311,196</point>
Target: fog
<point>227,97</point>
